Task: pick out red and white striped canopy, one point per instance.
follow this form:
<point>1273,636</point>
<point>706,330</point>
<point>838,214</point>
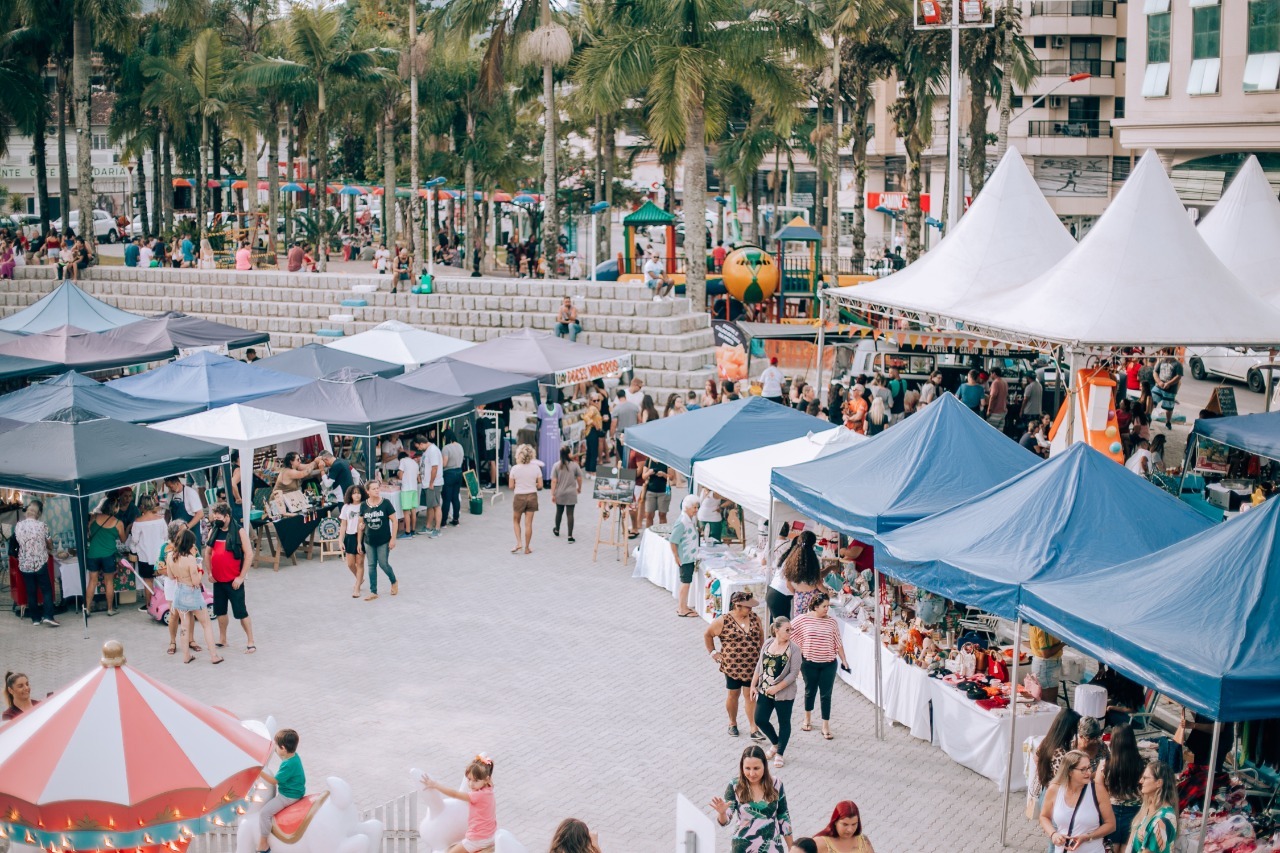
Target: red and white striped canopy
<point>119,752</point>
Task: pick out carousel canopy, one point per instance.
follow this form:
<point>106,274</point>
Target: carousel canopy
<point>72,390</point>
<point>462,379</point>
<point>931,461</point>
<point>1196,621</point>
<point>317,360</point>
<point>717,431</point>
<point>183,331</point>
<point>555,361</point>
<point>76,349</point>
<point>118,760</point>
<point>67,305</point>
<point>400,343</point>
<point>208,380</point>
<point>1073,513</point>
<point>1243,230</point>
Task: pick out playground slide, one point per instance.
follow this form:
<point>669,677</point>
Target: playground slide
<point>1095,417</point>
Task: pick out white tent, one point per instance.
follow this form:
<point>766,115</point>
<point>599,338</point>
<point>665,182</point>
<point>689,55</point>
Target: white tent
<point>244,429</point>
<point>1243,230</point>
<point>744,477</point>
<point>1142,276</point>
<point>1009,236</point>
<point>400,343</point>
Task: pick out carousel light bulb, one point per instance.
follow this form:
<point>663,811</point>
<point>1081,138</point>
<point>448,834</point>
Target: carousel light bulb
<point>111,823</point>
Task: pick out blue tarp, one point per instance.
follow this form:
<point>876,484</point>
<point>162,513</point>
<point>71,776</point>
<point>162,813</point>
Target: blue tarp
<point>1076,512</point>
<point>67,305</point>
<point>715,431</point>
<point>209,380</point>
<point>1196,621</point>
<point>929,462</point>
<point>1258,434</point>
<point>71,390</point>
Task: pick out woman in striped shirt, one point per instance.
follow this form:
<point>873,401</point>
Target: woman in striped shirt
<point>818,636</point>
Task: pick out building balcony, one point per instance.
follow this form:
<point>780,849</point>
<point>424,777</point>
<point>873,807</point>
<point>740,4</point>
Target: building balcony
<point>1100,68</point>
<point>1070,129</point>
<point>1073,8</point>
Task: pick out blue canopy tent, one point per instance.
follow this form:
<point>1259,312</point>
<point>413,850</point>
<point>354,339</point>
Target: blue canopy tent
<point>1259,434</point>
<point>72,390</point>
<point>463,379</point>
<point>67,305</point>
<point>208,380</point>
<point>316,361</point>
<point>13,367</point>
<point>1073,513</point>
<point>720,430</point>
<point>930,462</point>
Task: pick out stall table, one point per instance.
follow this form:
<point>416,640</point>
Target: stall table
<point>722,573</point>
<point>294,530</point>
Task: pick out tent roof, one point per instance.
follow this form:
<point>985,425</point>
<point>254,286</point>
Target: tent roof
<point>63,455</point>
<point>355,403</point>
<point>72,390</point>
<point>744,477</point>
<point>1133,280</point>
<point>543,355</point>
<point>316,360</point>
<point>648,214</point>
<point>1243,230</point>
<point>719,430</point>
<point>1217,655</point>
<point>80,350</point>
<point>463,379</point>
<point>207,379</point>
<point>931,461</point>
<point>9,425</point>
<point>15,367</point>
<point>1075,512</point>
<point>1009,236</point>
<point>243,427</point>
<point>401,343</point>
<point>799,231</point>
<point>67,305</point>
<point>183,331</point>
<point>1258,434</point>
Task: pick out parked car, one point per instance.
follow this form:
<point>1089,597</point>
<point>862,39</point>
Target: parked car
<point>104,226</point>
<point>1230,363</point>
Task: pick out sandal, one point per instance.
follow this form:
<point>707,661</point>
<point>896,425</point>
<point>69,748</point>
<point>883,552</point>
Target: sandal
<point>687,615</point>
<point>195,648</point>
<point>828,736</point>
<point>250,649</point>
<point>217,660</point>
<point>806,727</point>
<point>173,648</point>
<point>516,550</point>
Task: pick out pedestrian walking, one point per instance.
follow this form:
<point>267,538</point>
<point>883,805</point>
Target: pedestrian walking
<point>757,805</point>
<point>1168,379</point>
<point>452,456</point>
<point>377,537</point>
<point>803,572</point>
<point>525,481</point>
<point>34,547</point>
<point>566,485</point>
<point>843,833</point>
<point>147,536</point>
<point>229,556</point>
<point>188,601</point>
<point>1118,777</point>
<point>741,636</point>
<point>656,477</point>
<point>349,515</point>
<point>684,546</point>
<point>774,687</point>
<point>818,636</point>
<point>997,402</point>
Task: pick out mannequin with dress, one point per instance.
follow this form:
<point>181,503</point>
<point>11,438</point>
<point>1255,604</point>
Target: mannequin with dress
<point>550,413</point>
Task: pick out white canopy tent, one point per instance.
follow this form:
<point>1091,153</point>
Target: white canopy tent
<point>744,477</point>
<point>1142,276</point>
<point>1243,230</point>
<point>1009,236</point>
<point>400,343</point>
<point>244,429</point>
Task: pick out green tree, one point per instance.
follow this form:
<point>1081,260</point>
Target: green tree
<point>920,66</point>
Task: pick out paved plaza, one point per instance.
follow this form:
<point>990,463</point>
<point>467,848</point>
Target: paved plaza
<point>593,698</point>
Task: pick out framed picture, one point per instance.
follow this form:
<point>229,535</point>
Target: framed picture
<point>617,485</point>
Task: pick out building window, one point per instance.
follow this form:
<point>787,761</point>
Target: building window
<point>1039,42</point>
<point>1122,49</point>
<point>1015,102</point>
<point>1119,108</point>
<point>1120,168</point>
<point>1206,47</point>
<point>100,142</point>
<point>1262,67</point>
<point>1155,83</point>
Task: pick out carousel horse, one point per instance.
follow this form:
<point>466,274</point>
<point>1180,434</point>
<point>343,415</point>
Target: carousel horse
<point>445,823</point>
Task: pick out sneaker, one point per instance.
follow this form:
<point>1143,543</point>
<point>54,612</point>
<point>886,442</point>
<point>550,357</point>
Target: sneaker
<point>434,534</point>
<point>453,523</point>
<point>35,623</point>
<point>142,608</point>
<point>657,298</point>
<point>50,623</point>
<point>409,534</point>
<point>733,731</point>
<point>757,735</point>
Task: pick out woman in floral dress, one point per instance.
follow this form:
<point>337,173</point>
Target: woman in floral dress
<point>757,805</point>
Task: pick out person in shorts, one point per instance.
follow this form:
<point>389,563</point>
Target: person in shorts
<point>229,555</point>
<point>657,491</point>
<point>350,516</point>
<point>410,479</point>
<point>1168,378</point>
<point>1046,662</point>
<point>684,546</point>
<point>741,636</point>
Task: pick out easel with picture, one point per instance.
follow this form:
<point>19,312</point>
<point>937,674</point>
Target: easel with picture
<point>613,528</point>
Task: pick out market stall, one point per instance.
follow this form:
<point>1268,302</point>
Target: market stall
<point>553,361</point>
<point>67,305</point>
<point>719,572</point>
<point>315,361</point>
<point>208,380</point>
<point>14,368</point>
<point>458,378</point>
<point>75,349</point>
<point>400,343</point>
<point>74,390</point>
<point>186,333</point>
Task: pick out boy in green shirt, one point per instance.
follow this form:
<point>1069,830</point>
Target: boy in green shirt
<point>290,782</point>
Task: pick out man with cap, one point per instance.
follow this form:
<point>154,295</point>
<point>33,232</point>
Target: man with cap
<point>741,636</point>
<point>771,381</point>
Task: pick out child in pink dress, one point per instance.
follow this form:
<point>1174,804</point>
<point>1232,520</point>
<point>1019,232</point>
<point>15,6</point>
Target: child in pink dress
<point>482,816</point>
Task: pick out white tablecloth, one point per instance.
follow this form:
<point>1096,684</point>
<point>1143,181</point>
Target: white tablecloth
<point>69,571</point>
<point>905,687</point>
<point>656,564</point>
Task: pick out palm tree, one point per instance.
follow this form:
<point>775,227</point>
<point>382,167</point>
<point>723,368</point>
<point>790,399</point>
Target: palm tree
<point>322,50</point>
<point>682,58</point>
<point>989,58</point>
<point>920,67</point>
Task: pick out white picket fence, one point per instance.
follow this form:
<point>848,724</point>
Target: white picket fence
<point>399,819</point>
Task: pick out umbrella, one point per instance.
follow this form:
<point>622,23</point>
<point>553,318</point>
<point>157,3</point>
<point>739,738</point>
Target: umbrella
<point>352,190</point>
<point>524,198</point>
<point>181,183</point>
<point>447,194</point>
<point>501,197</point>
<point>378,191</point>
<point>263,185</point>
<point>212,184</point>
<point>120,761</point>
<point>240,185</point>
<point>403,193</point>
<point>291,187</point>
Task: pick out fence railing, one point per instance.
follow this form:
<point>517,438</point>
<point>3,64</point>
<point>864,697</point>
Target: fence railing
<point>1075,128</point>
<point>1068,67</point>
<point>1074,8</point>
<point>399,819</point>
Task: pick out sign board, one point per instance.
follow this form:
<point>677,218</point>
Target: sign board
<point>599,370</point>
<point>1073,176</point>
<point>895,201</point>
<point>1211,457</point>
<point>10,173</point>
<point>1223,402</point>
<point>615,484</point>
<point>802,199</point>
<point>731,353</point>
<point>695,831</point>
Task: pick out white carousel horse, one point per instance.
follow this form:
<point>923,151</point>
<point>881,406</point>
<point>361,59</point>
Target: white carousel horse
<point>445,822</point>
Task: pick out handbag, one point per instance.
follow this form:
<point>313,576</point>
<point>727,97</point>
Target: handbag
<point>996,668</point>
<point>1031,685</point>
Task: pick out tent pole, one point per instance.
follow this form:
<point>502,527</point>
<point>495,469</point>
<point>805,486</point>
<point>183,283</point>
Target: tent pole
<point>1186,461</point>
<point>875,635</point>
<point>822,338</point>
<point>1013,732</point>
<point>1070,423</point>
<point>245,506</point>
<point>80,508</point>
<point>1208,787</point>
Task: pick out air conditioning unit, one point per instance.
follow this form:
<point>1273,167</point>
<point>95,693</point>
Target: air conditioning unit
<point>1059,42</point>
<point>1055,102</point>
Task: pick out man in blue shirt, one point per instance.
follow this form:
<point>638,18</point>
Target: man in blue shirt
<point>131,253</point>
<point>188,252</point>
<point>971,393</point>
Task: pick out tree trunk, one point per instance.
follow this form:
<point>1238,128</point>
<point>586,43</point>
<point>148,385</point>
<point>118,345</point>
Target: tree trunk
<point>599,222</point>
<point>249,144</point>
<point>913,218</point>
<point>215,196</point>
<point>977,136</point>
<point>157,170</point>
<point>81,40</point>
<point>833,209</point>
<point>42,166</point>
<point>550,180</point>
<point>695,205</point>
<point>469,183</point>
<point>415,203</point>
<point>860,133</point>
<point>64,164</point>
<point>290,122</point>
<point>389,182</point>
<point>273,180</point>
<point>321,204</point>
<point>1006,88</point>
<point>611,169</point>
<point>202,183</point>
<point>141,189</point>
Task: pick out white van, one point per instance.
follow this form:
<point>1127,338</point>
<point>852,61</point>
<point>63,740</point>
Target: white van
<point>1230,363</point>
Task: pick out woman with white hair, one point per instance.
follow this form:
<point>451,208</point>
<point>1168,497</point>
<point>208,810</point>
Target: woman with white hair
<point>684,545</point>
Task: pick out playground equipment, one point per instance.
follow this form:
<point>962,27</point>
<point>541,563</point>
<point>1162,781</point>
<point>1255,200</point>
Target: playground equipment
<point>801,271</point>
<point>750,275</point>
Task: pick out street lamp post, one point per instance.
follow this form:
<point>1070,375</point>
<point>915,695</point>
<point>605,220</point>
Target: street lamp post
<point>595,209</point>
<point>1039,100</point>
<point>431,255</point>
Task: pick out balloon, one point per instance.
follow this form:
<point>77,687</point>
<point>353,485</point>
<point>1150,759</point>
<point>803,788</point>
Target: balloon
<point>1112,432</point>
<point>1116,447</point>
<point>750,275</point>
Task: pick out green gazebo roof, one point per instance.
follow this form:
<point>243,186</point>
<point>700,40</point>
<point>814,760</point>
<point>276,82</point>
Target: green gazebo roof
<point>798,231</point>
<point>649,214</point>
